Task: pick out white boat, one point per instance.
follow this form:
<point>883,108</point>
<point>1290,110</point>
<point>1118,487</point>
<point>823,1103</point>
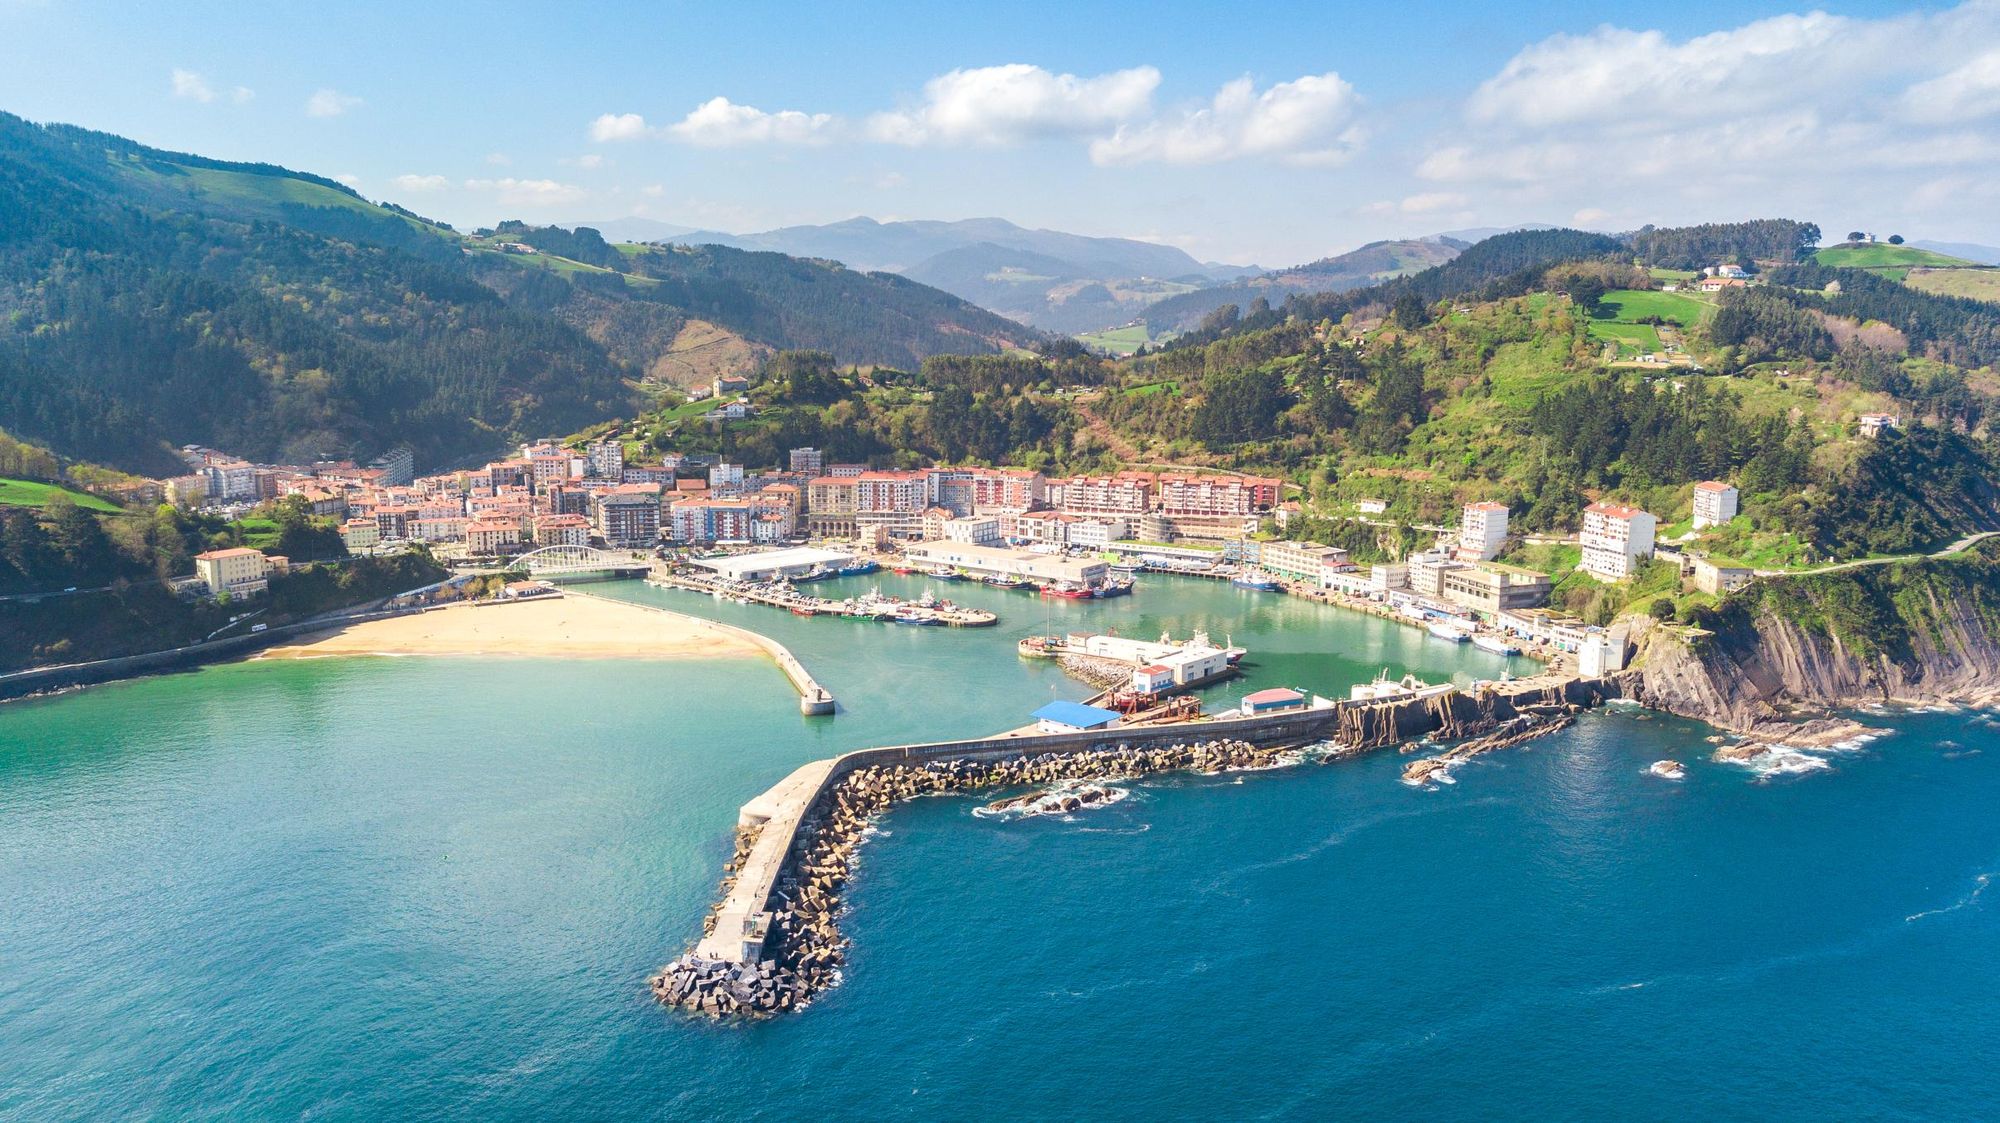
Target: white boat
<point>1445,631</point>
<point>1495,644</point>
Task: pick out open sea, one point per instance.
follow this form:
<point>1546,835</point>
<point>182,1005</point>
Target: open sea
<point>419,888</point>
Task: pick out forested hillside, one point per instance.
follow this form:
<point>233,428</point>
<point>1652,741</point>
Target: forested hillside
<point>150,299</point>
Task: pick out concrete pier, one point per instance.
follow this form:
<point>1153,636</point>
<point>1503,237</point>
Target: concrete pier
<point>814,699</point>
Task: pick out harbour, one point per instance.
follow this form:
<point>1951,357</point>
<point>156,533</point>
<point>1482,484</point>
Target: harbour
<point>242,809</point>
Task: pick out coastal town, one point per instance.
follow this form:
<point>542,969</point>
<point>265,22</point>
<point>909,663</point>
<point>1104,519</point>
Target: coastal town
<point>763,534</point>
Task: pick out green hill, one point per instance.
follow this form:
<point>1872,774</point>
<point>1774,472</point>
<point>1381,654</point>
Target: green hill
<point>150,299</point>
<point>1891,261</point>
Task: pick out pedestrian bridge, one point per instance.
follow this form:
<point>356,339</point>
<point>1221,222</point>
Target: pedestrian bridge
<point>579,563</point>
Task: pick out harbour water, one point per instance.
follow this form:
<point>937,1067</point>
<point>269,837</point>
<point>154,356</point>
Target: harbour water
<point>416,888</point>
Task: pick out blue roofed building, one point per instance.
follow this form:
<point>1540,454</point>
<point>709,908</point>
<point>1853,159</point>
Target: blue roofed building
<point>1073,717</point>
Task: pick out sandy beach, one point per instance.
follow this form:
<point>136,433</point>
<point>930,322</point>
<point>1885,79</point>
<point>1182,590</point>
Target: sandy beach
<point>559,627</point>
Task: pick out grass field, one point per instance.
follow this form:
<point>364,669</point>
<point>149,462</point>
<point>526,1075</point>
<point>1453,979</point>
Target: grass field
<point>1117,341</point>
<point>1631,305</point>
<point>1978,284</point>
<point>259,533</point>
<point>30,493</point>
<point>1883,257</point>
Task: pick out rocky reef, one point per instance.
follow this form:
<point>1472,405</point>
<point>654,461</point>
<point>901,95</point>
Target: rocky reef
<point>804,949</point>
<point>1457,715</point>
<point>1790,648</point>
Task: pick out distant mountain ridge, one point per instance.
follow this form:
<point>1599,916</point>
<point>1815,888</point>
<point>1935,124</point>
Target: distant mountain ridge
<point>1358,268</point>
<point>150,299</point>
<point>1051,279</point>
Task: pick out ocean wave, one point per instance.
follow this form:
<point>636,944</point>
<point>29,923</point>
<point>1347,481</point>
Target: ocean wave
<point>1979,886</point>
<point>1062,798</point>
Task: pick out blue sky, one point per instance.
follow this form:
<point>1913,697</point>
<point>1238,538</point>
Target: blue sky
<point>1273,133</point>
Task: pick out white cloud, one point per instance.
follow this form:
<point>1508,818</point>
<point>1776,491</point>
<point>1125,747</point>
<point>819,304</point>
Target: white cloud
<point>192,86</point>
<point>653,190</point>
<point>348,178</point>
<point>1016,102</point>
<point>618,126</point>
<point>529,192</point>
<point>420,182</point>
<point>328,102</point>
<point>499,159</point>
<point>1968,93</point>
<point>1308,120</point>
<point>1803,114</point>
<point>1611,72</point>
<point>721,123</point>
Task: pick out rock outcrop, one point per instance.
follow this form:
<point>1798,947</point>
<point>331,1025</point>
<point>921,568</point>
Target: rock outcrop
<point>1926,631</point>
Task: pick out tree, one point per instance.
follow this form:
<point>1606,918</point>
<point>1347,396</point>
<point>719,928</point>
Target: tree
<point>1855,235</point>
<point>1586,291</point>
<point>1895,239</point>
<point>1410,311</point>
<point>77,537</point>
<point>1662,609</point>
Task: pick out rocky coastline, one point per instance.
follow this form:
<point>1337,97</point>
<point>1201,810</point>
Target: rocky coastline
<point>1788,652</point>
<point>804,949</point>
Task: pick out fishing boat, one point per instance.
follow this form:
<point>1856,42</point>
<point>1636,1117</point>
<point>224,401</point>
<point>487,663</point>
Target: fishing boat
<point>857,568</point>
<point>1445,631</point>
<point>1000,581</point>
<point>1115,588</point>
<point>816,573</point>
<point>1495,644</point>
<point>901,570</point>
<point>1128,569</point>
<point>912,617</point>
<point>1066,591</point>
<point>944,573</point>
<point>1251,579</point>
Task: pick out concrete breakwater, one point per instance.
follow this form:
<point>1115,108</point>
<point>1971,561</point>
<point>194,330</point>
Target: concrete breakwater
<point>751,958</point>
<point>814,699</point>
<point>804,949</point>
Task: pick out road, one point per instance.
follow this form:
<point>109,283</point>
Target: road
<point>1958,547</point>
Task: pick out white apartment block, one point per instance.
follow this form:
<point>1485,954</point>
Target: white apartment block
<point>1482,531</point>
<point>973,530</point>
<point>240,572</point>
<point>1614,539</point>
<point>1714,503</point>
<point>607,459</point>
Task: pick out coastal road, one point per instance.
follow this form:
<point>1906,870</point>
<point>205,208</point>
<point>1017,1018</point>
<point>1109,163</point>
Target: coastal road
<point>1958,547</point>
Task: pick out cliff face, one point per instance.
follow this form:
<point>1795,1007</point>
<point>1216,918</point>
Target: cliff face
<point>1917,631</point>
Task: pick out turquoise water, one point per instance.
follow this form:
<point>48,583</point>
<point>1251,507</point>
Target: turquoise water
<point>418,888</point>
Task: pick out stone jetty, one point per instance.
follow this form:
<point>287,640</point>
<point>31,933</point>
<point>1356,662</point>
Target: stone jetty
<point>804,949</point>
<point>1517,730</point>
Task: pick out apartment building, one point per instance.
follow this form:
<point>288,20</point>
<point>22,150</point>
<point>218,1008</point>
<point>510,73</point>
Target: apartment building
<point>1714,503</point>
<point>627,515</point>
<point>562,530</point>
<point>240,572</point>
<point>1126,493</point>
<point>1615,538</point>
<point>1301,561</point>
<point>1481,531</point>
<point>493,536</point>
<point>605,459</point>
<point>806,461</point>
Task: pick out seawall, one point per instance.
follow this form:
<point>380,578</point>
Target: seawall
<point>41,680</point>
<point>784,818</point>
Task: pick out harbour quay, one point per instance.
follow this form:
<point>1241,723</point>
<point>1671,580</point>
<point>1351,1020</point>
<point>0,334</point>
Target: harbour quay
<point>1000,561</point>
<point>772,565</point>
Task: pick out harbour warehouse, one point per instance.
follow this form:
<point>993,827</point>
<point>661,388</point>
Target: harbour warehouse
<point>997,561</point>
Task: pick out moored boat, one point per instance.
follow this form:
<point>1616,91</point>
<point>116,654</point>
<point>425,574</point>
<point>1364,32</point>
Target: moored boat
<point>944,573</point>
<point>1445,631</point>
<point>1495,644</point>
<point>857,568</point>
<point>1251,579</point>
<point>1115,588</point>
<point>1000,581</point>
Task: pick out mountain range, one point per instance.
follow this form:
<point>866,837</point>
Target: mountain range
<point>150,299</point>
<point>1053,280</point>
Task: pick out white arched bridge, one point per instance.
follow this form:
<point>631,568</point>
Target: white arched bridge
<point>579,563</point>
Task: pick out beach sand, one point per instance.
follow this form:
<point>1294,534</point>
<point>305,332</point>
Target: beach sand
<point>552,627</point>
